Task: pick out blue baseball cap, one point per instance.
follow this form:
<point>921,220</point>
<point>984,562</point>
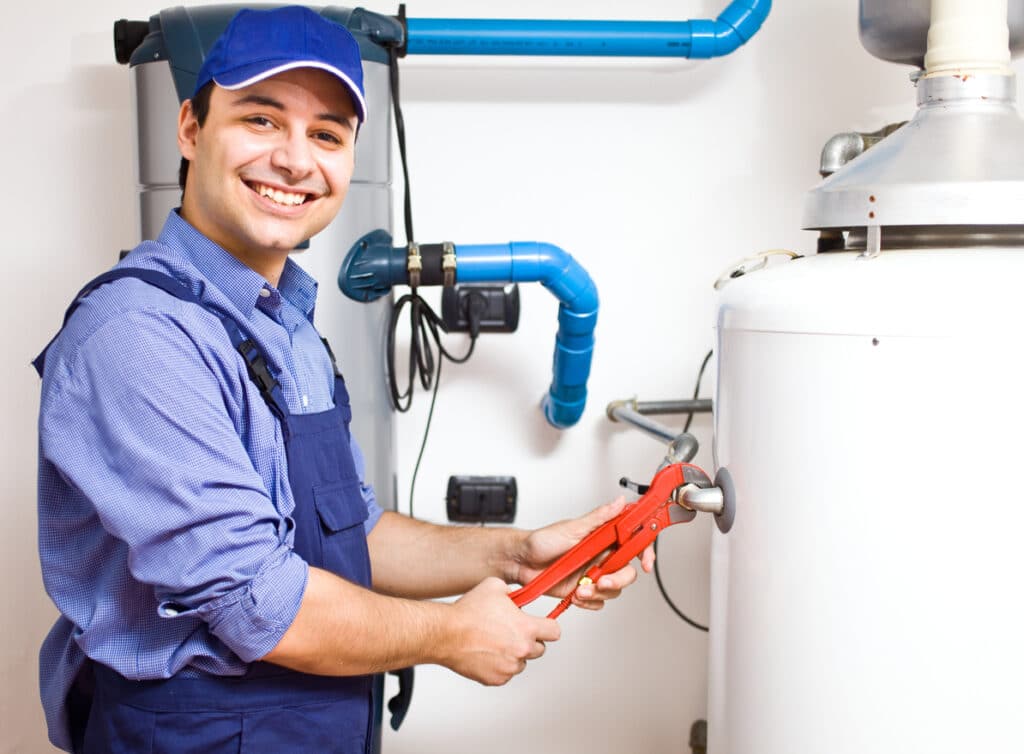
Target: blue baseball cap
<point>258,44</point>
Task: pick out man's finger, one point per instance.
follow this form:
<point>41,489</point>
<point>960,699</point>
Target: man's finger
<point>617,581</point>
<point>647,559</point>
<point>537,651</point>
<point>548,630</point>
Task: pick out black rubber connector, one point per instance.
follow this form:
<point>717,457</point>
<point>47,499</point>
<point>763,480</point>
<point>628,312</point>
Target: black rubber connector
<point>128,35</point>
<point>433,256</point>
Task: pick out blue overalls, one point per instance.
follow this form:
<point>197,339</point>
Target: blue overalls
<point>270,709</point>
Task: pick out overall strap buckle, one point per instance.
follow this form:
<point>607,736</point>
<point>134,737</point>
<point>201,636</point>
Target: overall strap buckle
<point>259,372</point>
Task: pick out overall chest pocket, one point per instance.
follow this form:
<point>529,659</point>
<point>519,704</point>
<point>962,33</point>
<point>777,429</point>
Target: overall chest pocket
<point>341,512</point>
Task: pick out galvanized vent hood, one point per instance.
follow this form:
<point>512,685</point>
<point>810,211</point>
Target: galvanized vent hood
<point>958,162</point>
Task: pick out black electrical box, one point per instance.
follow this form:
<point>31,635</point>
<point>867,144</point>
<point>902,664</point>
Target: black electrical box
<point>495,306</point>
<point>482,499</point>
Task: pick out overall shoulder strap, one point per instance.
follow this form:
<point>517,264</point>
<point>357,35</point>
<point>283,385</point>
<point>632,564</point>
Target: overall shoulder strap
<point>259,372</point>
<point>153,277</point>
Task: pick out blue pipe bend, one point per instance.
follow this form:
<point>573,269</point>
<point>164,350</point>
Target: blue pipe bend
<point>733,28</point>
<point>556,270</point>
<point>373,266</point>
<point>680,39</point>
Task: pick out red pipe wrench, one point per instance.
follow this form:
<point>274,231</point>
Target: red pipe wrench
<point>626,535</point>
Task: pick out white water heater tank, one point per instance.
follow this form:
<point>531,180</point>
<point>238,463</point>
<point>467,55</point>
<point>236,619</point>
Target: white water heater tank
<point>868,597</point>
<point>870,412</point>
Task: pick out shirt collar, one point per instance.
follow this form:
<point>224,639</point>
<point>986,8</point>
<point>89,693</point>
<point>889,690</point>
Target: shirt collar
<point>241,284</point>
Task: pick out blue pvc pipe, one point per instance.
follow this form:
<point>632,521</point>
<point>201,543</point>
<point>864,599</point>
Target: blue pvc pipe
<point>373,266</point>
<point>676,39</point>
<point>556,270</point>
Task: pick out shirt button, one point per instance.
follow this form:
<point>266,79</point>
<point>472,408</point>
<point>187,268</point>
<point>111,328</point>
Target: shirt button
<point>264,292</point>
<point>305,401</point>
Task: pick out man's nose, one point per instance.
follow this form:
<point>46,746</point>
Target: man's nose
<point>293,156</point>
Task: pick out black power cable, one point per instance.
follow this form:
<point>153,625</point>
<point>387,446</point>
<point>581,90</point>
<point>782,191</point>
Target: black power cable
<point>696,389</point>
<point>396,102</point>
<point>657,570</point>
<point>425,324</point>
<point>668,600</point>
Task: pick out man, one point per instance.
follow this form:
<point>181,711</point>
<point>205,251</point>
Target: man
<point>204,529</point>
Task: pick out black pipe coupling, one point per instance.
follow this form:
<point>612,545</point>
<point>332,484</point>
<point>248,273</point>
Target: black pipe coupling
<point>431,264</point>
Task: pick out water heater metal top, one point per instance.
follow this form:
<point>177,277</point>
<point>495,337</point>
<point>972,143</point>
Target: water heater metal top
<point>959,161</point>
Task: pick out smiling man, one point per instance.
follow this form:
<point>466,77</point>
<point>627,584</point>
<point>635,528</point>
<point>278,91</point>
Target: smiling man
<point>204,528</point>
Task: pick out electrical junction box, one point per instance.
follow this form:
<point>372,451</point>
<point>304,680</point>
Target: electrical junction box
<point>481,499</point>
<point>497,306</point>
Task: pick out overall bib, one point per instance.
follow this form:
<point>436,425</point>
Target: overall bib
<point>270,709</point>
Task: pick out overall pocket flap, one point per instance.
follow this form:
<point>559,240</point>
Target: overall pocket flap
<point>340,505</point>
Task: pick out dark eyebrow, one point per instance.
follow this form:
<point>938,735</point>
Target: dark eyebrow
<point>340,120</point>
<point>258,99</point>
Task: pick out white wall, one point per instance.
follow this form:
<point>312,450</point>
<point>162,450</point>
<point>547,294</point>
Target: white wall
<point>654,175</point>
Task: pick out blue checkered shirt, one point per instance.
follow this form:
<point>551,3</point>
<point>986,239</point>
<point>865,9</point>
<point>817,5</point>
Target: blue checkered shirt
<point>163,482</point>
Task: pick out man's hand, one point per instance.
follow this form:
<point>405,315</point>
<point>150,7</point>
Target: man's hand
<point>544,546</point>
<point>493,638</point>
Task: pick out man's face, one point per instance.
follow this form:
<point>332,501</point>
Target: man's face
<point>271,165</point>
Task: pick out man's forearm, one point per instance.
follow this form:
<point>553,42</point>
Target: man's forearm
<point>344,629</point>
<point>419,560</point>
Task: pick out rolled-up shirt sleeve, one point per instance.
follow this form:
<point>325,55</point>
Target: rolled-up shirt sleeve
<point>252,618</point>
<point>373,509</point>
<point>139,420</point>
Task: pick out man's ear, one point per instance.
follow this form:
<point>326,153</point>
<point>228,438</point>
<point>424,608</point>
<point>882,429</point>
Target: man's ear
<point>188,130</point>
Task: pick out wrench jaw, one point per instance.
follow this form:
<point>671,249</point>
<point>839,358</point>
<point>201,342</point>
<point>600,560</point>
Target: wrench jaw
<point>677,513</point>
<point>695,475</point>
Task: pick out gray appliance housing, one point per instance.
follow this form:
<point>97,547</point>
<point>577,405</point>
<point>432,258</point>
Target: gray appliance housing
<point>897,30</point>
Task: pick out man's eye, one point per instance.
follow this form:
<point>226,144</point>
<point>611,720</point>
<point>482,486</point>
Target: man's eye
<point>259,120</point>
<point>327,137</point>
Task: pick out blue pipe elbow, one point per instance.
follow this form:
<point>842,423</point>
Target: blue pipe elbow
<point>678,39</point>
<point>373,266</point>
<point>733,28</point>
<point>556,270</point>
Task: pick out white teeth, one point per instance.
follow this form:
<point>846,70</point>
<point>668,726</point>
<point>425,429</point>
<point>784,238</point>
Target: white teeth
<point>280,197</point>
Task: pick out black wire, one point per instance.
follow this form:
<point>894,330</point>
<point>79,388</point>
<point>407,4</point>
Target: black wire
<point>396,102</point>
<point>423,445</point>
<point>425,325</point>
<point>671,604</point>
<point>657,569</point>
<point>696,389</point>
<point>424,322</point>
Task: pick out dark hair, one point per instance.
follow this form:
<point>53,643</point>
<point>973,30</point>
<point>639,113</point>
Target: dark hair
<point>200,109</point>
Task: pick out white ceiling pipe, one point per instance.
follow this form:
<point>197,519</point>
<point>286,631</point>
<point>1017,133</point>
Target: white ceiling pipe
<point>968,37</point>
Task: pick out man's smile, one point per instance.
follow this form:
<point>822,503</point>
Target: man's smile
<point>280,196</point>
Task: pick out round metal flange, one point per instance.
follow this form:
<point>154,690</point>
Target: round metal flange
<point>725,519</point>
